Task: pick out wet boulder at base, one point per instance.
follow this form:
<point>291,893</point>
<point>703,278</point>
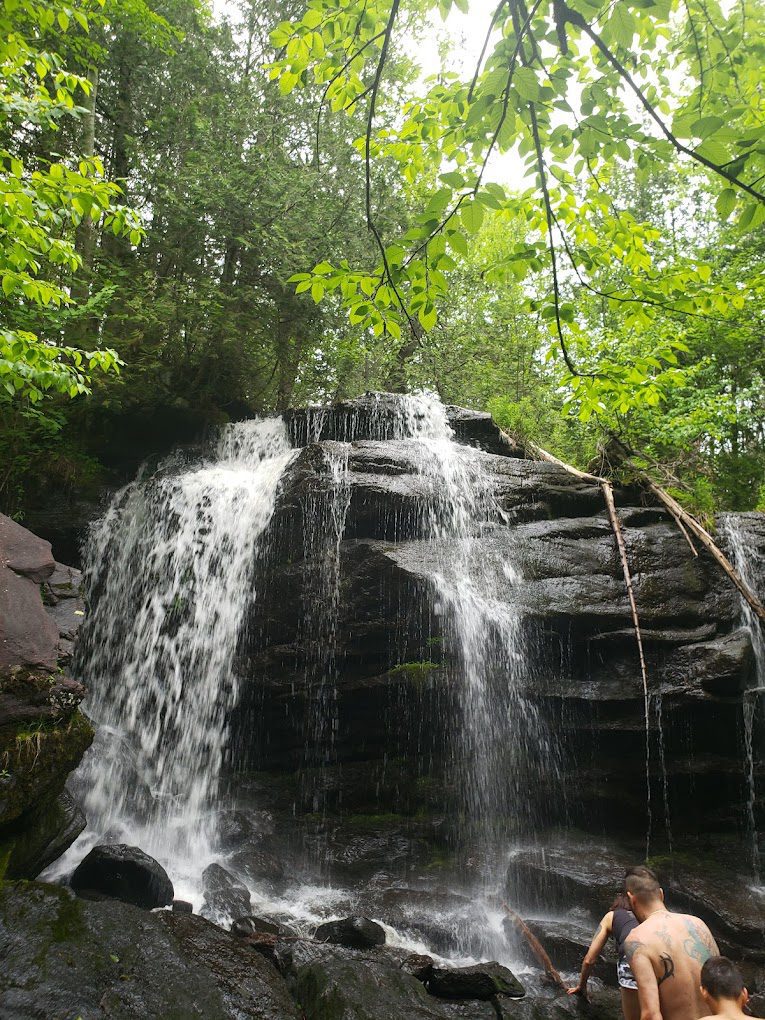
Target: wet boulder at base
<point>225,895</point>
<point>353,932</point>
<point>243,927</point>
<point>124,873</point>
<point>64,956</point>
<point>481,981</point>
<point>338,988</point>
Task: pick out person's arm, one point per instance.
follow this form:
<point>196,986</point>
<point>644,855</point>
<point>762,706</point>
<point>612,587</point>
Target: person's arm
<point>591,958</point>
<point>645,977</point>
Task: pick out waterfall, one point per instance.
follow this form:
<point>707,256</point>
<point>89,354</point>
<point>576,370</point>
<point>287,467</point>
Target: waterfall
<point>174,570</point>
<point>751,567</point>
<point>500,733</point>
<point>170,571</point>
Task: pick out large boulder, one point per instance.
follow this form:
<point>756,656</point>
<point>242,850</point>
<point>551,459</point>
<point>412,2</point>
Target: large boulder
<point>44,836</point>
<point>43,736</point>
<point>70,957</point>
<point>363,989</point>
<point>481,981</point>
<point>353,932</point>
<point>124,873</point>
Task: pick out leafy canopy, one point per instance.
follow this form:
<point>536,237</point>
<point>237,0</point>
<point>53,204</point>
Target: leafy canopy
<point>44,201</point>
<point>578,91</point>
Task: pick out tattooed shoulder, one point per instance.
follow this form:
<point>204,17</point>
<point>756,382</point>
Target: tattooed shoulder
<point>631,946</point>
<point>698,944</point>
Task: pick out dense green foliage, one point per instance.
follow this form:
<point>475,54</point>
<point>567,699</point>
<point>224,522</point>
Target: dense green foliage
<point>273,208</point>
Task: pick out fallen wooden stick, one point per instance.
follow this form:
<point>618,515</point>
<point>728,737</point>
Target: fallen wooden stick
<point>686,522</point>
<point>536,947</point>
<point>608,496</point>
<point>708,542</point>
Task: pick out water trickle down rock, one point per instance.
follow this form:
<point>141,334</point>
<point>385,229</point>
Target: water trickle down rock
<point>744,534</point>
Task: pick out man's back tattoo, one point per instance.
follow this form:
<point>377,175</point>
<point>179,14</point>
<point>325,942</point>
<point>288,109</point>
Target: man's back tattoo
<point>697,944</point>
<point>669,967</point>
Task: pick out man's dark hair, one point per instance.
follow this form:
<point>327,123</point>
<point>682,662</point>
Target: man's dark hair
<point>721,978</point>
<point>642,882</point>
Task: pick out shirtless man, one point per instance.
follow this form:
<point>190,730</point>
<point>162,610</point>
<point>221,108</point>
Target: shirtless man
<point>722,986</point>
<point>666,952</point>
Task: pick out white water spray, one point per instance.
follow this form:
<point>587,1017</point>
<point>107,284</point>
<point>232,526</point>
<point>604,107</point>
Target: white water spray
<point>170,569</point>
<point>500,730</point>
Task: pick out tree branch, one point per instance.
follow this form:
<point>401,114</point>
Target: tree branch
<point>575,18</point>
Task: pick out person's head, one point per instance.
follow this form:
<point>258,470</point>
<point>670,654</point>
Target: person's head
<point>722,982</point>
<point>643,890</point>
<point>621,902</point>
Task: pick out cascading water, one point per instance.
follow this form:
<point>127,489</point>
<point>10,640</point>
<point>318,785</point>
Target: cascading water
<point>500,729</point>
<point>751,567</point>
<point>170,569</point>
<point>173,569</point>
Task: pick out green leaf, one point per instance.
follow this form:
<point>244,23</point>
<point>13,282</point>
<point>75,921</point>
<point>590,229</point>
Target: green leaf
<point>287,82</point>
<point>453,178</point>
<point>312,18</point>
<point>428,317</point>
<point>706,126</point>
<point>471,216</point>
<point>457,242</point>
<point>622,24</point>
<point>526,84</point>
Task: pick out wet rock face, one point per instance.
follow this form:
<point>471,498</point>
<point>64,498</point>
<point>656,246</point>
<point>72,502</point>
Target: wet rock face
<point>376,416</point>
<point>394,678</point>
<point>225,895</point>
<point>575,871</point>
<point>348,987</point>
<point>70,957</point>
<point>124,873</point>
<point>483,981</point>
<point>42,734</point>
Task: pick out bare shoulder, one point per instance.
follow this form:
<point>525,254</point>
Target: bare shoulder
<point>637,942</point>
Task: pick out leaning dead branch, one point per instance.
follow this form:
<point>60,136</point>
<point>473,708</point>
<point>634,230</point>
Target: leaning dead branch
<point>687,523</point>
<point>536,947</point>
<point>707,541</point>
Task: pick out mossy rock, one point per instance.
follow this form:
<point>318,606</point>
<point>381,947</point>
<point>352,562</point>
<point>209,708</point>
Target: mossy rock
<point>38,820</point>
<point>35,761</point>
<point>40,837</point>
<point>66,957</point>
